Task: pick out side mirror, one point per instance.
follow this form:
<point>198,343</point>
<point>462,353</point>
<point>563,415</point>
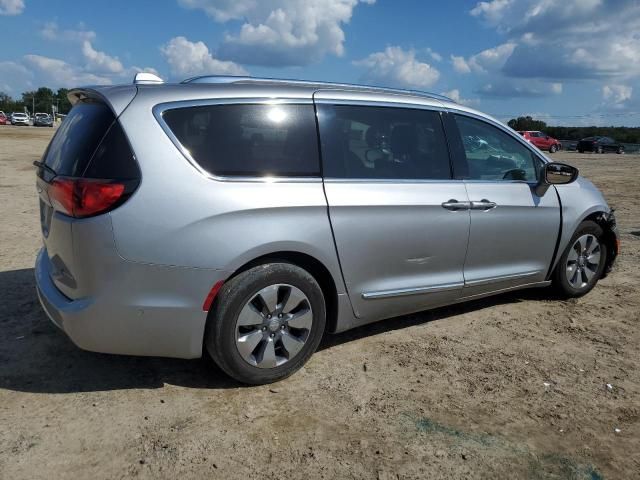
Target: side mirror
<point>559,173</point>
<point>555,173</point>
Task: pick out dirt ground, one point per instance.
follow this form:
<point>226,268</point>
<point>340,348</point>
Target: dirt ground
<point>509,387</point>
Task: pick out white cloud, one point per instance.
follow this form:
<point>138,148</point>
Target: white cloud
<point>456,97</point>
<point>280,32</point>
<point>397,67</point>
<point>492,11</point>
<point>617,94</point>
<point>586,38</point>
<point>56,72</point>
<point>501,88</point>
<point>99,61</point>
<point>434,55</point>
<point>51,31</point>
<point>11,7</point>
<point>82,65</point>
<point>188,58</point>
<point>491,59</point>
<point>460,65</point>
<point>15,77</point>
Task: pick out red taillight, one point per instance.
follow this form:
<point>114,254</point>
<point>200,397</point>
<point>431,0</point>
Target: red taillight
<point>84,198</point>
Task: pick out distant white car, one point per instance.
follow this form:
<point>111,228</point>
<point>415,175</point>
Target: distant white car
<point>18,118</point>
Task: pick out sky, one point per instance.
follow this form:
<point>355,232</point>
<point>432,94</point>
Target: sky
<point>568,62</point>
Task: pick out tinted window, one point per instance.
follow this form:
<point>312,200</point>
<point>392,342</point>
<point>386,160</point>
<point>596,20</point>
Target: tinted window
<point>77,138</point>
<point>492,154</point>
<point>113,158</point>
<point>249,140</point>
<point>382,143</point>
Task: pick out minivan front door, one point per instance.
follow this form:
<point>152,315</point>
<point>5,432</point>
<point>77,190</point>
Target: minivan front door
<point>513,231</point>
<point>400,222</point>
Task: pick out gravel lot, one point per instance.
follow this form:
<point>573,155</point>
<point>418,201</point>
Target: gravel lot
<point>509,387</point>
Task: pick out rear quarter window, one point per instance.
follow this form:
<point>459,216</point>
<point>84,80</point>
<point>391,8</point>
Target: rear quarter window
<point>249,140</point>
<point>91,143</point>
<point>77,138</point>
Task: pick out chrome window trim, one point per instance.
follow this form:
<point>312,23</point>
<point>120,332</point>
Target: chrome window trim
<point>403,292</point>
<point>158,112</point>
<point>403,181</point>
<point>406,181</point>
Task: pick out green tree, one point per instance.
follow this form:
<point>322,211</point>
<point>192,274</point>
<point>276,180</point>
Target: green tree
<point>63,102</point>
<point>526,123</point>
<point>39,100</point>
<point>8,104</point>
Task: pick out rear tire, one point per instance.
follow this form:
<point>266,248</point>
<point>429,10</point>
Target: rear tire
<point>254,334</point>
<point>582,263</point>
<point>620,150</point>
<point>600,150</point>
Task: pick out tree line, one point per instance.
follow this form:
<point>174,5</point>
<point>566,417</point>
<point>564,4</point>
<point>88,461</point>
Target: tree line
<point>40,100</point>
<point>619,134</point>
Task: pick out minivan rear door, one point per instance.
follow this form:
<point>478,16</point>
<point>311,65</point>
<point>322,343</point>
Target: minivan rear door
<point>88,145</point>
<point>400,222</point>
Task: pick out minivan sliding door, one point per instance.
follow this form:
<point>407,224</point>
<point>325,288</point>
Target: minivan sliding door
<point>400,222</point>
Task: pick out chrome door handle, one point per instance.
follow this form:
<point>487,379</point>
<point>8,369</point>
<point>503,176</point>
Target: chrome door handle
<point>483,204</point>
<point>456,205</point>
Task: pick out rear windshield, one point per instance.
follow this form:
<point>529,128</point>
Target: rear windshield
<point>249,140</point>
<point>91,143</point>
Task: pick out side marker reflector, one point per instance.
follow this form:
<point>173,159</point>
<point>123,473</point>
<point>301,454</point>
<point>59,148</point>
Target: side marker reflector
<point>212,296</point>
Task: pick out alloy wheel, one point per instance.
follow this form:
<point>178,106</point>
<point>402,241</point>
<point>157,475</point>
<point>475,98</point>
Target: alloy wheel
<point>273,326</point>
<point>583,261</point>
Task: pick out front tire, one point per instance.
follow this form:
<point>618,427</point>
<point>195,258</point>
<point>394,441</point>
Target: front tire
<point>265,323</point>
<point>600,149</point>
<point>582,263</point>
<point>553,149</point>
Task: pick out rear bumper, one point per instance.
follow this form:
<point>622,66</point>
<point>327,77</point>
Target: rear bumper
<point>139,310</point>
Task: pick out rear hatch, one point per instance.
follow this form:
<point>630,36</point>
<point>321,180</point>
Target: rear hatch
<point>87,170</point>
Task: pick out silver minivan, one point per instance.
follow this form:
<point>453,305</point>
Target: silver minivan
<point>247,217</point>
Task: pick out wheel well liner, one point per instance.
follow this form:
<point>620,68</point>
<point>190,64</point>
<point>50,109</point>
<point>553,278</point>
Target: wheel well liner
<point>608,223</point>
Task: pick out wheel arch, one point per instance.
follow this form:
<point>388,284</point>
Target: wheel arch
<point>607,222</point>
<point>312,265</point>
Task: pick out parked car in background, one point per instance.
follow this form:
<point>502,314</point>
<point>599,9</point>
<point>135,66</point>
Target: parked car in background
<point>542,140</point>
<point>42,120</point>
<point>599,145</point>
<point>3,119</point>
<point>19,118</point>
<point>255,241</point>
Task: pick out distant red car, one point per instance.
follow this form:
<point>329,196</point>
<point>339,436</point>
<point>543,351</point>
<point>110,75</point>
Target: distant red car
<point>542,140</point>
<point>3,119</point>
